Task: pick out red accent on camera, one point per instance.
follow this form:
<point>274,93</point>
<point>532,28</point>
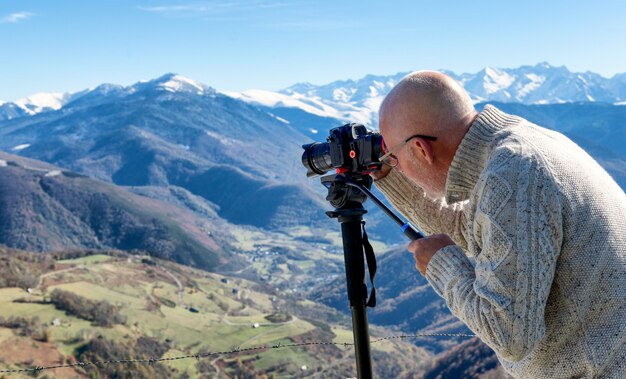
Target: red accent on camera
<point>352,153</point>
<point>342,170</point>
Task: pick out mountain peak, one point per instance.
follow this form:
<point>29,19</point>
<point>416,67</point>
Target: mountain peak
<point>172,82</point>
<point>106,88</point>
<point>543,65</point>
<point>302,87</point>
<point>43,101</point>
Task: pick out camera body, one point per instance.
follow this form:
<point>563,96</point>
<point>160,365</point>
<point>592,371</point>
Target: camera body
<point>350,148</point>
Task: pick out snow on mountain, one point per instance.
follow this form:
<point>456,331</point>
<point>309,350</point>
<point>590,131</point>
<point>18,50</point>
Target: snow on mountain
<point>174,131</point>
<point>359,100</point>
<point>496,80</point>
<point>312,105</point>
<point>21,147</point>
<point>172,83</point>
<point>11,110</point>
<point>541,84</point>
<point>533,82</point>
<point>179,83</point>
<point>37,103</point>
<point>41,101</point>
<point>170,131</point>
<point>349,100</point>
<point>187,116</point>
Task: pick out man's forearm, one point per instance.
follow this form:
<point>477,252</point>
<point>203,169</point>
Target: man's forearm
<point>428,215</point>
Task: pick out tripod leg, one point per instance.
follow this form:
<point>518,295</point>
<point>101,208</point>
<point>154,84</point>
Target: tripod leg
<point>357,290</point>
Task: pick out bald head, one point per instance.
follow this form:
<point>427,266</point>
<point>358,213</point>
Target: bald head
<point>426,102</point>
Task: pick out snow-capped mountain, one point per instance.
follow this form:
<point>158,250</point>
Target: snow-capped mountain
<point>173,131</point>
<point>43,102</point>
<point>195,119</point>
<point>191,118</point>
<point>359,100</point>
<point>353,100</point>
<point>541,84</point>
<point>178,83</point>
<point>10,110</point>
<point>37,103</point>
<point>551,96</point>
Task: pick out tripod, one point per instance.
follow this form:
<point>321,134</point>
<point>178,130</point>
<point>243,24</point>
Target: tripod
<point>347,193</point>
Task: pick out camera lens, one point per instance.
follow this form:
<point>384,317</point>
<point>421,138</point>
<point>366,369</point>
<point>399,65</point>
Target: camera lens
<point>316,158</point>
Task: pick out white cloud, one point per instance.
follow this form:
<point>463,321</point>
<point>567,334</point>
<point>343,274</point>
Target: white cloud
<point>301,15</point>
<point>213,8</point>
<point>14,18</point>
<point>177,9</point>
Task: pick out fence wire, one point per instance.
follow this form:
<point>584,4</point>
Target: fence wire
<point>198,356</point>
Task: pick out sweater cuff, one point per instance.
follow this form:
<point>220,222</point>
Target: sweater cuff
<point>395,186</point>
<point>447,264</point>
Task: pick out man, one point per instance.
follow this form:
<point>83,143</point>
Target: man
<point>544,222</point>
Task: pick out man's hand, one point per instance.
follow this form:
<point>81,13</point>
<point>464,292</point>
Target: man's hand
<point>423,249</point>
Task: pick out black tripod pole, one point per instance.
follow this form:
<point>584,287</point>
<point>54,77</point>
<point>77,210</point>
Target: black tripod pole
<point>349,212</point>
<point>347,193</point>
<point>350,220</point>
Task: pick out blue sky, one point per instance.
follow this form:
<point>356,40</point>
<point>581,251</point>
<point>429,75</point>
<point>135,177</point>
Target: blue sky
<point>59,46</point>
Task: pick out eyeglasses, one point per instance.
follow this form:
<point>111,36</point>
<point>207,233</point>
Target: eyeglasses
<point>391,160</point>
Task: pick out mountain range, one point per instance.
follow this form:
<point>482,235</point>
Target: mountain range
<point>243,159</point>
<point>359,100</point>
<point>240,152</point>
<point>586,107</point>
<point>173,131</point>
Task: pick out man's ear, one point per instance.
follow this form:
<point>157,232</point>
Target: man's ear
<point>424,150</point>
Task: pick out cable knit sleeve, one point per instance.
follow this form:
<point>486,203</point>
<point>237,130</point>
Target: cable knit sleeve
<point>428,215</point>
<point>518,232</point>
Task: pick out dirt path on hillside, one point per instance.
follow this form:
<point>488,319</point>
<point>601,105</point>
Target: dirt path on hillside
<point>181,289</point>
<point>42,277</point>
<point>293,318</point>
<point>250,324</point>
<point>216,367</point>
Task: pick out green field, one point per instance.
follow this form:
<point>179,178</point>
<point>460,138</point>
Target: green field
<point>148,296</point>
<point>96,258</point>
<point>189,332</point>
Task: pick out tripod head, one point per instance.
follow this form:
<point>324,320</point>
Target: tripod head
<point>343,195</point>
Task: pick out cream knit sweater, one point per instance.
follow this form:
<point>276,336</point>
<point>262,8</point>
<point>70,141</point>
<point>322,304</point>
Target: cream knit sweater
<point>547,227</point>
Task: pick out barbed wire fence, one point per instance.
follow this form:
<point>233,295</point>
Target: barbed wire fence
<point>198,356</point>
